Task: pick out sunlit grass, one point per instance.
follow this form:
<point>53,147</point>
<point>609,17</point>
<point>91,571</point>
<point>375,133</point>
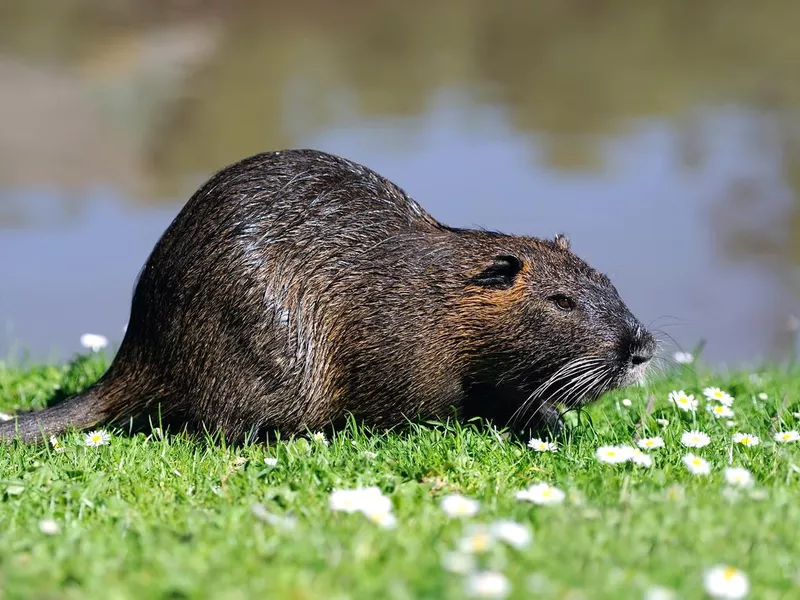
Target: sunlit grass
<point>147,516</point>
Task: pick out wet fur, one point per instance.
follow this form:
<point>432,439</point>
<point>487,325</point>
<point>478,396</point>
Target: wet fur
<point>297,287</point>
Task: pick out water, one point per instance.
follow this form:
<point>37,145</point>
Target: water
<point>662,137</point>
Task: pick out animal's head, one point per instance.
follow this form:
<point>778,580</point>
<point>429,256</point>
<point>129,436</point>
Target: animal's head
<point>557,328</point>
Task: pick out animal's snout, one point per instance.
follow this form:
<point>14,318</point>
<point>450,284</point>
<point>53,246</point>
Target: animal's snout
<point>641,346</point>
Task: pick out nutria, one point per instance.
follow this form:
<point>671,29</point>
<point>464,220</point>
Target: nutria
<point>297,287</point>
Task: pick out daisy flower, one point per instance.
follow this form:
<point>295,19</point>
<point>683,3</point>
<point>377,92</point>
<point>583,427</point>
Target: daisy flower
<point>662,422</point>
<point>348,501</point>
<point>93,341</point>
<point>642,459</point>
<point>456,505</point>
<point>488,584</point>
<point>683,358</point>
<point>367,500</point>
<point>720,411</point>
<point>696,464</point>
<point>738,476</point>
<point>57,446</point>
<point>787,436</point>
<point>512,533</point>
<point>762,396</point>
<point>614,454</point>
<point>746,439</point>
<point>714,393</point>
<point>723,581</point>
<point>626,402</point>
<point>270,461</point>
<point>383,518</point>
<point>659,593</point>
<point>477,541</point>
<point>49,527</point>
<point>650,443</point>
<point>542,446</point>
<point>695,439</point>
<point>541,493</point>
<point>320,438</point>
<point>98,437</point>
<point>682,400</point>
<point>5,417</point>
<point>458,562</point>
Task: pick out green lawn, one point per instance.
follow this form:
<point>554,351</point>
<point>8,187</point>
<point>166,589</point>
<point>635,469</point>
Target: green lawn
<point>144,517</point>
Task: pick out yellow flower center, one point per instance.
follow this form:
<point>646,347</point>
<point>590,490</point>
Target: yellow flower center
<point>729,573</point>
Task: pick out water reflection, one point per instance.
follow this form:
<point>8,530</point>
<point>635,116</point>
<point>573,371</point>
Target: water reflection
<point>664,136</point>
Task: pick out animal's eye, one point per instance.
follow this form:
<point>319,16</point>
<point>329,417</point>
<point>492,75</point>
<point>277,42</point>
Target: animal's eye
<point>563,302</point>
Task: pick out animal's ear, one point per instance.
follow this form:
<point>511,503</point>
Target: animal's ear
<point>500,273</point>
<point>562,241</point>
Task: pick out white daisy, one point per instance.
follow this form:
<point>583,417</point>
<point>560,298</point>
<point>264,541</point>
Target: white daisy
<point>682,400</point>
<point>762,396</point>
<point>626,402</point>
<point>695,439</point>
<point>478,539</point>
<point>383,518</point>
<point>512,533</point>
<point>541,493</point>
<point>49,527</point>
<point>458,562</point>
<point>542,446</point>
<point>270,461</point>
<point>320,438</point>
<point>787,436</point>
<point>488,584</point>
<point>650,443</point>
<point>738,477</point>
<point>714,393</point>
<point>456,505</point>
<point>4,417</point>
<point>746,439</point>
<point>723,581</point>
<point>720,411</point>
<point>614,454</point>
<point>363,499</point>
<point>98,437</point>
<point>57,446</point>
<point>93,341</point>
<point>730,423</point>
<point>683,358</point>
<point>659,593</point>
<point>642,459</point>
<point>662,422</point>
<point>696,464</point>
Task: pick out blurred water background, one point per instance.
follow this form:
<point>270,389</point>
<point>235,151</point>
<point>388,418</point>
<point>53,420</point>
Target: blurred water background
<point>663,137</point>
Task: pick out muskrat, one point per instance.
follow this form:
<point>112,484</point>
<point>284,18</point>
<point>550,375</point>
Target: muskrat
<point>297,288</point>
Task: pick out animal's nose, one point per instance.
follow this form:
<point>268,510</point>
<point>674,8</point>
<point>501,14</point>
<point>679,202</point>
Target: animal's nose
<point>641,356</point>
<point>642,348</point>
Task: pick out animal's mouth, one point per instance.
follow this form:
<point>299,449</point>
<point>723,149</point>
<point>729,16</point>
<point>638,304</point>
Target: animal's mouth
<point>635,374</point>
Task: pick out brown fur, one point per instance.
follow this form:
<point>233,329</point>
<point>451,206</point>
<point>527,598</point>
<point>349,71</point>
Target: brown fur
<point>296,287</point>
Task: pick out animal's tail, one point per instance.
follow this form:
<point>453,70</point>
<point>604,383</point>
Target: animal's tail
<point>80,411</point>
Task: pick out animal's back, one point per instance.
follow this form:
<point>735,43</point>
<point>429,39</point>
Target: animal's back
<point>233,308</point>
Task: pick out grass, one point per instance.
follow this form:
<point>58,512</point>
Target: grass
<point>181,518</point>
